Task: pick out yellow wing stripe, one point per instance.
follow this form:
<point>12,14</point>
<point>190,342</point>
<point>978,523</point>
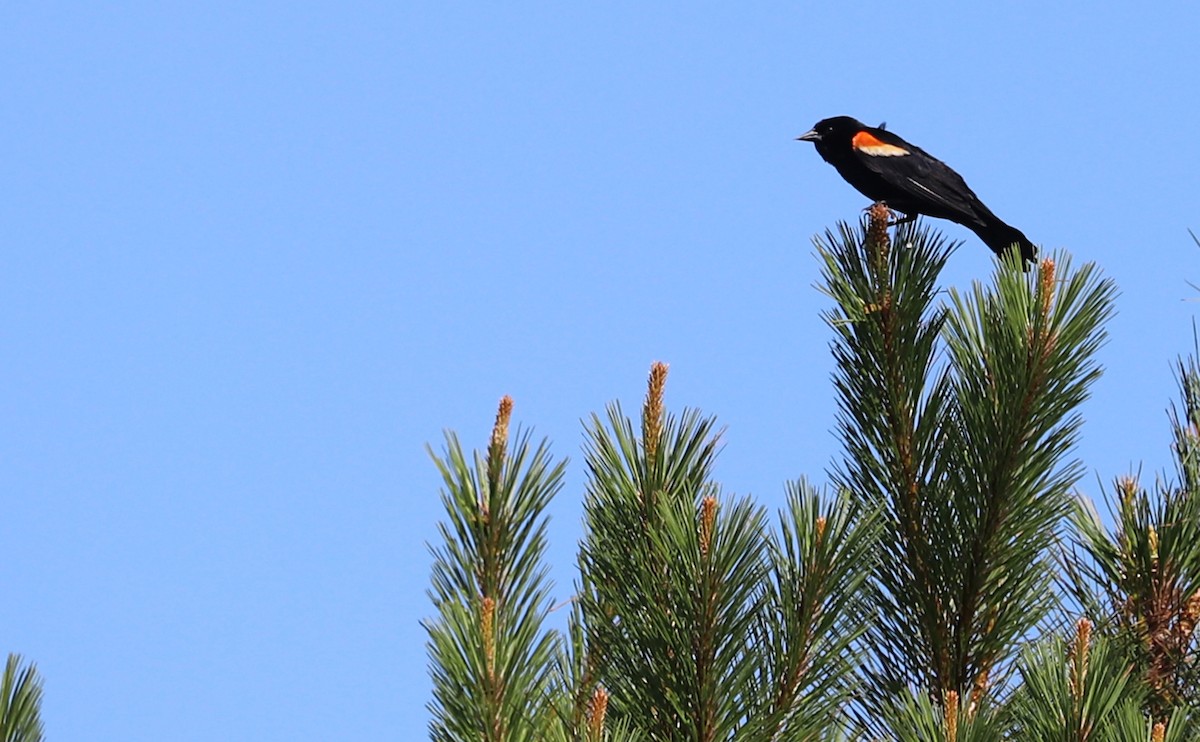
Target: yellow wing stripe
<point>869,144</point>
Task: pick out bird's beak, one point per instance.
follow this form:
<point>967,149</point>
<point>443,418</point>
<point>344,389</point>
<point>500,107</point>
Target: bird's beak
<point>809,136</point>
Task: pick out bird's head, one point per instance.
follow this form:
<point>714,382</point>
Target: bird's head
<point>833,130</point>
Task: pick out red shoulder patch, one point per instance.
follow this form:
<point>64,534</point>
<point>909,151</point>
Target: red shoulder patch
<point>869,144</point>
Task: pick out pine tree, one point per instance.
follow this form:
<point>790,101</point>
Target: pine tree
<point>912,600</point>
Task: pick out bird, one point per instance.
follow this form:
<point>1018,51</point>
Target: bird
<point>884,167</point>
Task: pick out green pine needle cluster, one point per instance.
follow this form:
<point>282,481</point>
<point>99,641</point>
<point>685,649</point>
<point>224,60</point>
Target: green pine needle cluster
<point>20,702</point>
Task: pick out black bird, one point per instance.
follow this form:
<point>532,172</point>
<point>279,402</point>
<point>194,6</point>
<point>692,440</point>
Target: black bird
<point>884,167</point>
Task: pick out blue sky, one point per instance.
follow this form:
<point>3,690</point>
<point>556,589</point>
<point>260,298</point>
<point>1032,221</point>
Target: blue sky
<point>256,255</point>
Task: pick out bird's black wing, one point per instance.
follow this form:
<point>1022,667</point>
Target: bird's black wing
<point>923,178</point>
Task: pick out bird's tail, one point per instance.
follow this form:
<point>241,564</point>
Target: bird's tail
<point>1001,237</point>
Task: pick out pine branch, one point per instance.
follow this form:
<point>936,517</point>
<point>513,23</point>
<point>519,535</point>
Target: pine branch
<point>490,657</point>
<point>812,614</point>
<point>1023,360</point>
<point>670,574</point>
<point>915,717</point>
<point>966,457</point>
<point>1141,581</point>
<point>893,419</point>
<point>1074,690</point>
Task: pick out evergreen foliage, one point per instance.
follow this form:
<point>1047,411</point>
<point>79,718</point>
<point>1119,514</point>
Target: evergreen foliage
<point>913,600</point>
<point>20,702</point>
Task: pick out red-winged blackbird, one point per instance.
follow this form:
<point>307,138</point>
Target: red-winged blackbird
<point>884,167</point>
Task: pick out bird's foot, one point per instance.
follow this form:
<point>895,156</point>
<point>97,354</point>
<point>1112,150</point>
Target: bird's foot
<point>895,222</point>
